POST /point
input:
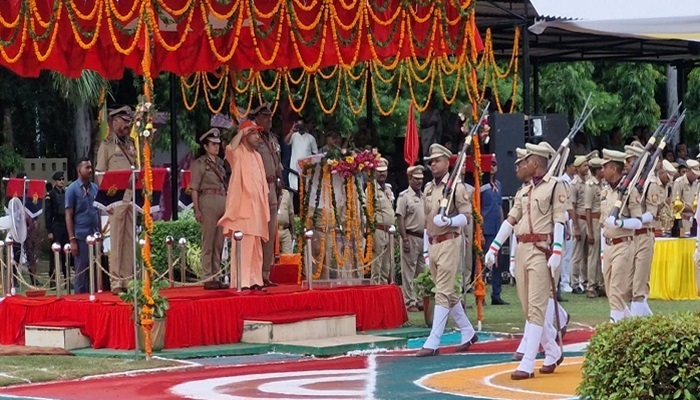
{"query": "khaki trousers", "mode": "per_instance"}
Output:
(412, 264)
(285, 241)
(212, 207)
(269, 246)
(644, 252)
(444, 263)
(618, 274)
(533, 279)
(381, 254)
(579, 258)
(121, 253)
(595, 274)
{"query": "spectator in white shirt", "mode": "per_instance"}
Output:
(303, 145)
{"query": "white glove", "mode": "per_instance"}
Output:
(426, 242)
(554, 261)
(511, 267)
(611, 222)
(441, 222)
(647, 218)
(490, 258)
(459, 220)
(629, 223)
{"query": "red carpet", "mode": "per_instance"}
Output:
(201, 318)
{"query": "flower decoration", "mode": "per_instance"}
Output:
(347, 163)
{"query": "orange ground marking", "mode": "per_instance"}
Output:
(493, 382)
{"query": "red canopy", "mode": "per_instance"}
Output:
(201, 35)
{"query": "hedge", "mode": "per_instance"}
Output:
(186, 227)
(656, 357)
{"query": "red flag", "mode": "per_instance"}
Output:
(14, 188)
(411, 142)
(158, 175)
(112, 188)
(185, 198)
(36, 191)
(478, 42)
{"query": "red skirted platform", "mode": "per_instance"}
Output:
(201, 318)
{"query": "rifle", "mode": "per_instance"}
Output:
(666, 137)
(454, 178)
(556, 168)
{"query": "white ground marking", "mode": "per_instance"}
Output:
(187, 365)
(371, 376)
(295, 387)
(14, 377)
(206, 389)
(488, 379)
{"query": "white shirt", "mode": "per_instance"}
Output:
(303, 145)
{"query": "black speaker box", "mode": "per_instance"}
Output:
(507, 133)
(551, 128)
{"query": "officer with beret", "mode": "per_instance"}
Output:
(208, 184)
(55, 217)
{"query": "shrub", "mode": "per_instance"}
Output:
(644, 358)
(186, 227)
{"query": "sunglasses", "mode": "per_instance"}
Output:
(60, 179)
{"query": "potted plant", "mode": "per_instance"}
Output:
(160, 306)
(424, 287)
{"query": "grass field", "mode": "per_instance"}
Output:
(584, 311)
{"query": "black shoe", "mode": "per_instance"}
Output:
(561, 299)
(497, 301)
(577, 290)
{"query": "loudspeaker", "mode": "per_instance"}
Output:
(551, 128)
(507, 133)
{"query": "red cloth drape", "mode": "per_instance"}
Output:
(284, 38)
(197, 317)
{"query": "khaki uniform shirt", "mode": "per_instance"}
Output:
(461, 204)
(591, 198)
(385, 205)
(650, 202)
(578, 193)
(286, 211)
(411, 206)
(686, 191)
(204, 177)
(269, 150)
(538, 207)
(115, 154)
(608, 196)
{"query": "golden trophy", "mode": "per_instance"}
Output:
(678, 207)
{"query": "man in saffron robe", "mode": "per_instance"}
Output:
(247, 204)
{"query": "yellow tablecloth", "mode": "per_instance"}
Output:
(673, 270)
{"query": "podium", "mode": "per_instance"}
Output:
(332, 205)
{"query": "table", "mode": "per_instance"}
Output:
(673, 270)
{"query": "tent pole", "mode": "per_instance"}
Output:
(536, 87)
(174, 174)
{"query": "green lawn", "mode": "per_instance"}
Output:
(26, 369)
(584, 311)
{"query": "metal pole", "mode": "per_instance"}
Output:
(91, 264)
(8, 248)
(309, 259)
(536, 86)
(183, 270)
(169, 246)
(368, 108)
(133, 248)
(173, 146)
(237, 237)
(392, 236)
(56, 248)
(2, 269)
(98, 260)
(526, 61)
(67, 252)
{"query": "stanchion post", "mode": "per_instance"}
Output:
(67, 252)
(183, 252)
(142, 242)
(56, 248)
(8, 267)
(2, 269)
(237, 237)
(392, 243)
(169, 247)
(309, 235)
(98, 260)
(90, 240)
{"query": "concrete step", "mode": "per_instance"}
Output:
(276, 329)
(64, 335)
(339, 345)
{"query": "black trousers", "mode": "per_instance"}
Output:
(60, 235)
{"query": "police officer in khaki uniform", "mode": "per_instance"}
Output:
(539, 216)
(384, 214)
(685, 189)
(285, 221)
(208, 184)
(618, 234)
(118, 152)
(643, 206)
(579, 257)
(410, 213)
(269, 150)
(443, 238)
(664, 218)
(591, 203)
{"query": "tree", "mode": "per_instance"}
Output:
(83, 94)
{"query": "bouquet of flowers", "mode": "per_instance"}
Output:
(347, 163)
